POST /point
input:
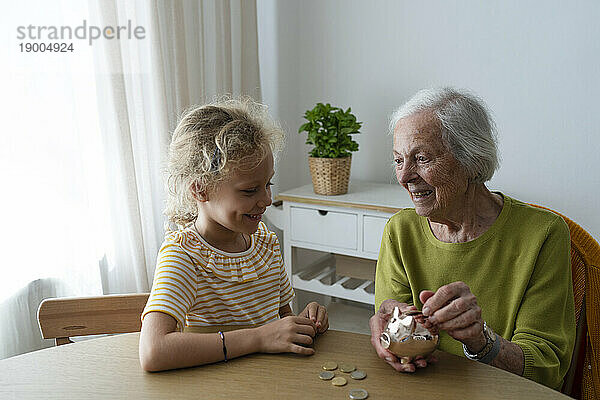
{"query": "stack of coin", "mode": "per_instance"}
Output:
(359, 394)
(329, 366)
(358, 375)
(348, 368)
(339, 381)
(326, 375)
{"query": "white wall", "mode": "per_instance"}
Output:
(536, 64)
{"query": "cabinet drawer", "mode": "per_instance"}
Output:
(325, 228)
(372, 233)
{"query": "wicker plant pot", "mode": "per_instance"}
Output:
(330, 176)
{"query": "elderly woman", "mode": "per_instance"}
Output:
(491, 272)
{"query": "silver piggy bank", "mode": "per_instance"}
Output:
(405, 337)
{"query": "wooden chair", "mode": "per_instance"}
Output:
(60, 318)
(583, 378)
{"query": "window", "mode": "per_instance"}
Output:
(53, 191)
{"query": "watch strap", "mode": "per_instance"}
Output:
(489, 351)
(489, 357)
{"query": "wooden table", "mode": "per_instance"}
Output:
(108, 368)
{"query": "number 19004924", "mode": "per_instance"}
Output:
(46, 47)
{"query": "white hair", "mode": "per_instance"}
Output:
(468, 130)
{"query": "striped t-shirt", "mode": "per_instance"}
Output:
(200, 285)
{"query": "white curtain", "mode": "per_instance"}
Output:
(192, 51)
(97, 215)
(53, 198)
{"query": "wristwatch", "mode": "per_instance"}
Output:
(489, 351)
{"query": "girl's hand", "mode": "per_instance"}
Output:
(454, 309)
(378, 323)
(317, 314)
(290, 334)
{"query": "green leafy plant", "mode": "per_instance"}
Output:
(329, 129)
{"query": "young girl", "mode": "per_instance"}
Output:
(220, 288)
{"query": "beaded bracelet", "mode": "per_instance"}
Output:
(224, 347)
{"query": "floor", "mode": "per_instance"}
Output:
(350, 318)
(344, 315)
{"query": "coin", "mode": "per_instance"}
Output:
(329, 366)
(326, 375)
(417, 314)
(339, 381)
(358, 374)
(344, 367)
(359, 394)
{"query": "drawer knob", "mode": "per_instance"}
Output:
(323, 212)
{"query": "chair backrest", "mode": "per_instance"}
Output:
(583, 378)
(60, 318)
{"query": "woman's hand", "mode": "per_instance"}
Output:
(378, 323)
(292, 334)
(317, 314)
(454, 309)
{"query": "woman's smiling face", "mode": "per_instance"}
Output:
(425, 167)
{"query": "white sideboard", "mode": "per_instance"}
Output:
(350, 224)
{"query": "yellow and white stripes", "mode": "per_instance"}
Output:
(199, 285)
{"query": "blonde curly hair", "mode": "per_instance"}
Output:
(209, 143)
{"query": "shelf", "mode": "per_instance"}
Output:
(343, 288)
(363, 195)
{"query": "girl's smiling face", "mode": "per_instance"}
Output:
(236, 204)
(425, 167)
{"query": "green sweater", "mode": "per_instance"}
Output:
(519, 270)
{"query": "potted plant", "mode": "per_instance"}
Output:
(329, 129)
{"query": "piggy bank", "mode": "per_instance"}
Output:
(405, 337)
